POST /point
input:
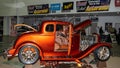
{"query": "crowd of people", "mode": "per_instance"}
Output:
(106, 35)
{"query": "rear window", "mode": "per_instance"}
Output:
(50, 28)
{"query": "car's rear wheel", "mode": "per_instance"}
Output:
(28, 54)
(103, 53)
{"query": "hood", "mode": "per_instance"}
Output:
(82, 25)
(25, 26)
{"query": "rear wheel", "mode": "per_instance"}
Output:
(102, 53)
(28, 54)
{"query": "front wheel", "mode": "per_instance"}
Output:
(28, 54)
(102, 53)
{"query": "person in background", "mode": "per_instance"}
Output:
(119, 31)
(118, 37)
(101, 32)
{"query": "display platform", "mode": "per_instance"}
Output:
(14, 63)
(113, 62)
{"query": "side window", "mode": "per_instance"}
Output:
(50, 28)
(59, 27)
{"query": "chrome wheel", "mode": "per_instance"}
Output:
(28, 54)
(103, 53)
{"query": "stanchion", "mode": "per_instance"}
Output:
(101, 64)
(36, 65)
(28, 66)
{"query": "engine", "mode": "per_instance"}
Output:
(87, 41)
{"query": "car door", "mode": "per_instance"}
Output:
(48, 38)
(61, 38)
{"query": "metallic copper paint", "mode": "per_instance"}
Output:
(44, 41)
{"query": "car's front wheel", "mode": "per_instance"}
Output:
(103, 53)
(28, 54)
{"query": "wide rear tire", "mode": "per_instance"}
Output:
(28, 54)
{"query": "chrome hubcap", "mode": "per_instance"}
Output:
(28, 54)
(103, 53)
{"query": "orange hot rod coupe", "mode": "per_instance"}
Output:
(58, 41)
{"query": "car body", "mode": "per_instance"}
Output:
(56, 41)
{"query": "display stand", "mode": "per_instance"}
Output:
(113, 38)
(36, 65)
(28, 66)
(101, 64)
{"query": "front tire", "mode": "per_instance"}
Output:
(28, 54)
(103, 53)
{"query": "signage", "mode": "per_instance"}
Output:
(97, 8)
(81, 6)
(38, 9)
(94, 2)
(31, 9)
(117, 3)
(68, 5)
(55, 7)
(92, 5)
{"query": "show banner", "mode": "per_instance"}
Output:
(117, 3)
(67, 6)
(81, 6)
(55, 7)
(38, 9)
(92, 5)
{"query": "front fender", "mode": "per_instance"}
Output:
(92, 48)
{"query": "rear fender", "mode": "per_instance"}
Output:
(92, 48)
(27, 43)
